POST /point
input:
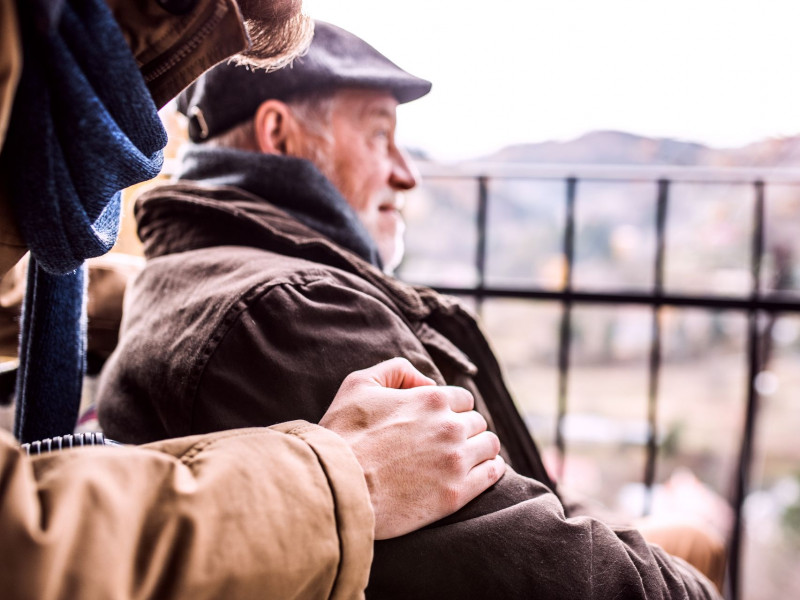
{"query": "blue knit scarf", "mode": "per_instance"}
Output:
(83, 127)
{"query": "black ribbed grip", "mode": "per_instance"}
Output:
(62, 442)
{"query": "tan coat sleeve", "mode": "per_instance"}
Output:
(12, 247)
(282, 512)
(10, 62)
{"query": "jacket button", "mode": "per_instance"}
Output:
(177, 7)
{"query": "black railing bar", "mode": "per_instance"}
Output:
(765, 303)
(651, 449)
(620, 179)
(661, 234)
(655, 345)
(675, 173)
(565, 334)
(742, 476)
(758, 240)
(481, 227)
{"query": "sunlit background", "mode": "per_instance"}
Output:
(720, 72)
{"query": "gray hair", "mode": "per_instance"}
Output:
(312, 111)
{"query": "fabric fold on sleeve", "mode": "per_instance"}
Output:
(250, 513)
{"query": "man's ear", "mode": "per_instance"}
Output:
(273, 124)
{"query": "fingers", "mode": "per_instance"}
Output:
(425, 451)
(459, 399)
(481, 447)
(483, 476)
(473, 423)
(397, 373)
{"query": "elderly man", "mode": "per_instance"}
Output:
(275, 512)
(266, 285)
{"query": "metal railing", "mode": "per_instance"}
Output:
(753, 303)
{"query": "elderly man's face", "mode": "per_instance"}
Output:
(361, 160)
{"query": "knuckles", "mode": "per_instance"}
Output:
(452, 462)
(493, 472)
(451, 498)
(353, 382)
(452, 431)
(434, 398)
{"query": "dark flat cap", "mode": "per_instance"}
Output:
(229, 94)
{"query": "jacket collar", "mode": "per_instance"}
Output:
(291, 184)
(189, 215)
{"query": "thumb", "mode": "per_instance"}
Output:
(397, 373)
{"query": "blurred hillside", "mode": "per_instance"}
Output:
(615, 147)
(709, 224)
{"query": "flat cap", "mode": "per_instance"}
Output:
(229, 94)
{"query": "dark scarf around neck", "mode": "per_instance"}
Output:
(292, 184)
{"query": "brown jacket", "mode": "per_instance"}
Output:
(245, 315)
(282, 512)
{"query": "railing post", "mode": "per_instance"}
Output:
(566, 322)
(480, 251)
(655, 345)
(742, 482)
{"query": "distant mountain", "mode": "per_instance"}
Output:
(616, 147)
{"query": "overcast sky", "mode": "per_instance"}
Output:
(721, 72)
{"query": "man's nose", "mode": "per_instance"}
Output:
(404, 175)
